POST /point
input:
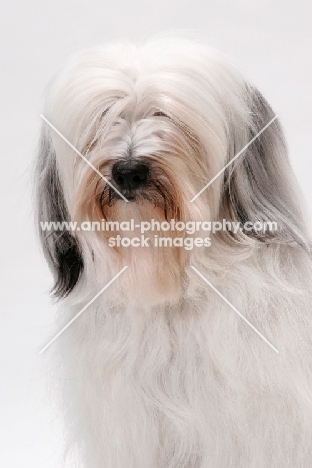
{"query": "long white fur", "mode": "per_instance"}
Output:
(159, 372)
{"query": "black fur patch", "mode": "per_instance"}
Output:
(61, 248)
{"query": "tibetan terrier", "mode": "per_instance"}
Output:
(175, 357)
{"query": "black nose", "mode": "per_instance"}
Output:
(129, 175)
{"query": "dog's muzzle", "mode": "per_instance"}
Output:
(140, 182)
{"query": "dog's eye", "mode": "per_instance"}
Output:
(160, 114)
(105, 112)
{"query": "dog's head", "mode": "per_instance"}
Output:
(153, 125)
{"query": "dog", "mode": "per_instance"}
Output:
(158, 371)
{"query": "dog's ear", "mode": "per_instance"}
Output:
(61, 248)
(260, 184)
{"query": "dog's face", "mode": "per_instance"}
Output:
(150, 160)
(158, 123)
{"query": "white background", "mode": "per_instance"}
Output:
(269, 40)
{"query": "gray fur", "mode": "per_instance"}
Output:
(260, 185)
(61, 248)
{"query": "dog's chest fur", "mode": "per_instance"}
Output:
(191, 385)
